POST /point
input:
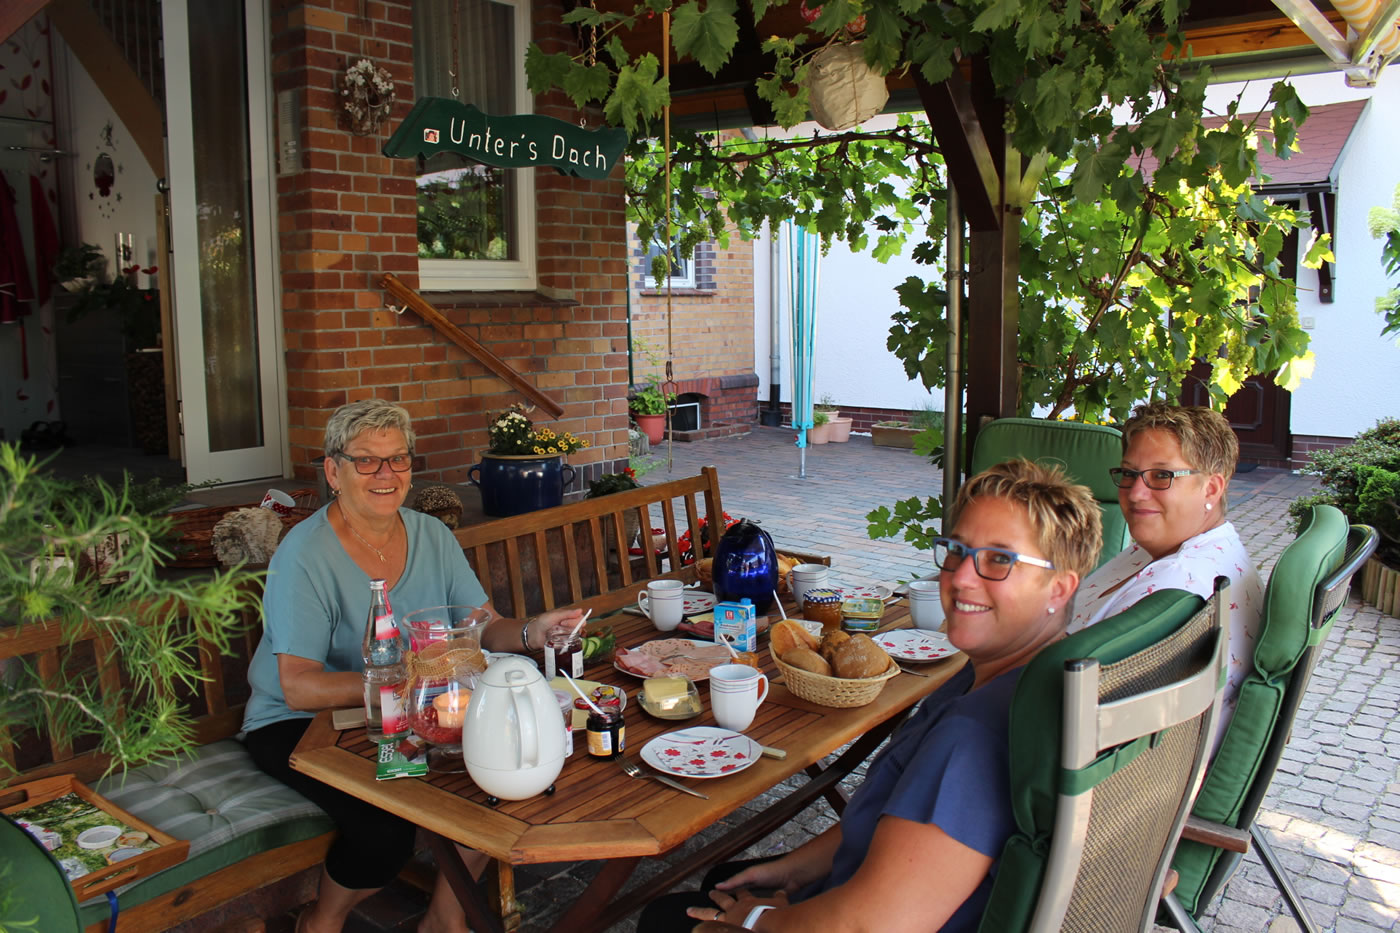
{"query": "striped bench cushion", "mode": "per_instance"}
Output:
(221, 802)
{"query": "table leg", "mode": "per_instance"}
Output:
(480, 917)
(504, 887)
(587, 910)
(835, 796)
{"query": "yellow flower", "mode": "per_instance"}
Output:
(538, 450)
(553, 451)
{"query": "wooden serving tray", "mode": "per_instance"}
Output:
(169, 851)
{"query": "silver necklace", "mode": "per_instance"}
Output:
(345, 518)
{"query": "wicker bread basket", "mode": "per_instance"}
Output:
(840, 692)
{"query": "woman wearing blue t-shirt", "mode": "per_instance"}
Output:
(918, 842)
(309, 659)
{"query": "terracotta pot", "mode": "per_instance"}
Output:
(653, 426)
(840, 429)
(819, 434)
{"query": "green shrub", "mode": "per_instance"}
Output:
(1357, 479)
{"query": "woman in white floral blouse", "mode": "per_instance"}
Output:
(1176, 468)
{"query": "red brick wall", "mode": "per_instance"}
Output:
(349, 215)
(712, 324)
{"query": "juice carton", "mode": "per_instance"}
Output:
(738, 623)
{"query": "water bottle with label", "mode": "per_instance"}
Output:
(385, 716)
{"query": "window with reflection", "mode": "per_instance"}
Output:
(475, 221)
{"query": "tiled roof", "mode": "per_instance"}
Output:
(1320, 142)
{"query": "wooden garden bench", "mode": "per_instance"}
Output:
(581, 541)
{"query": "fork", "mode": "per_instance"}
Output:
(631, 770)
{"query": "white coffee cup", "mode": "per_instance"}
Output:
(736, 692)
(925, 605)
(806, 577)
(663, 602)
(278, 501)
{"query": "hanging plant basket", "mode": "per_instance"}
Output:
(368, 94)
(842, 89)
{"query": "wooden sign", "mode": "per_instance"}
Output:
(437, 124)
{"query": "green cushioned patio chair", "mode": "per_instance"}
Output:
(1307, 587)
(34, 892)
(1109, 734)
(1086, 451)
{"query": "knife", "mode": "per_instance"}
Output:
(677, 785)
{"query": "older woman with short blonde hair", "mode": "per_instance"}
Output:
(315, 606)
(1172, 484)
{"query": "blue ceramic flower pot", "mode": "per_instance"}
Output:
(511, 484)
(746, 566)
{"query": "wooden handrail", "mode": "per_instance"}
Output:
(395, 286)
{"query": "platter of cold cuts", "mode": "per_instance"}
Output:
(666, 657)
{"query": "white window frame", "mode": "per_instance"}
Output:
(498, 274)
(682, 277)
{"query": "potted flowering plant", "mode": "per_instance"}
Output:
(606, 485)
(648, 405)
(522, 470)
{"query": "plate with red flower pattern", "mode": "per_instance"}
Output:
(701, 752)
(912, 644)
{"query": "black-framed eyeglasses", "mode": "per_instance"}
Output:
(1124, 478)
(370, 465)
(991, 563)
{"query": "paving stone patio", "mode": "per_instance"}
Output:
(1333, 812)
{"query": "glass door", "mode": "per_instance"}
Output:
(222, 241)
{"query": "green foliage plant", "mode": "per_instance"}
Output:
(79, 262)
(650, 400)
(1384, 224)
(1130, 272)
(609, 483)
(154, 623)
(1358, 480)
(137, 307)
(819, 417)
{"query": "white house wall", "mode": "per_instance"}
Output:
(128, 207)
(856, 300)
(1357, 378)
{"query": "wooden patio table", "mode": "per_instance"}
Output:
(598, 812)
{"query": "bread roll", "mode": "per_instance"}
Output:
(860, 657)
(807, 660)
(830, 642)
(788, 634)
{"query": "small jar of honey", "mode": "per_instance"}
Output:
(824, 606)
